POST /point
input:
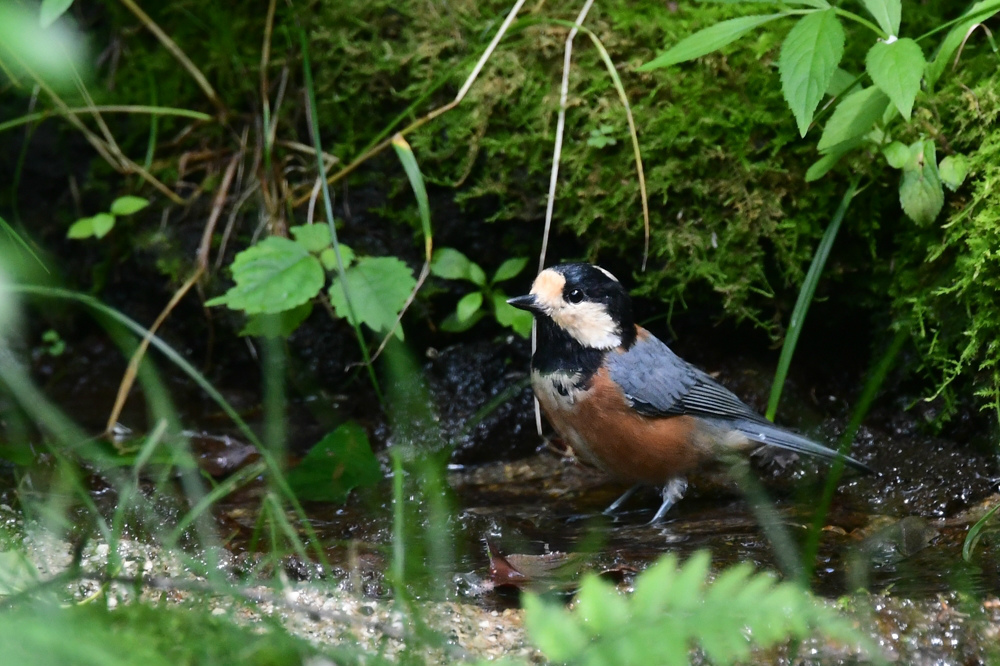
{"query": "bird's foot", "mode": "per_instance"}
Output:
(673, 490)
(614, 506)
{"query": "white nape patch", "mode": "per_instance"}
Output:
(606, 272)
(587, 322)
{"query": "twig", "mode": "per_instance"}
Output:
(560, 130)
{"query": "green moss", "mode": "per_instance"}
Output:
(733, 223)
(948, 283)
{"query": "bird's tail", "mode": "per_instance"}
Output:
(772, 435)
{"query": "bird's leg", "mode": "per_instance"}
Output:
(673, 490)
(621, 500)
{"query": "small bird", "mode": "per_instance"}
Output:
(623, 400)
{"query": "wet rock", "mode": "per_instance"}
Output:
(483, 399)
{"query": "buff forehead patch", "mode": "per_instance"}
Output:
(548, 287)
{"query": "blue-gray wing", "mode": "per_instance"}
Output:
(660, 383)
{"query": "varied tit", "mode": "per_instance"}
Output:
(622, 400)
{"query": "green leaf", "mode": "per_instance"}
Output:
(337, 464)
(469, 305)
(412, 169)
(709, 39)
(277, 325)
(378, 288)
(313, 237)
(82, 228)
(600, 607)
(509, 316)
(840, 82)
(450, 264)
(553, 629)
(653, 588)
(103, 223)
(809, 58)
(274, 275)
(897, 68)
(510, 269)
(17, 573)
(953, 171)
(886, 13)
(824, 164)
(328, 257)
(687, 588)
(896, 154)
(956, 36)
(920, 191)
(451, 323)
(853, 117)
(97, 226)
(51, 10)
(128, 205)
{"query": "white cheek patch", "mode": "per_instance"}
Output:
(589, 324)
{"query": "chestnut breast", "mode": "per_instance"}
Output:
(598, 422)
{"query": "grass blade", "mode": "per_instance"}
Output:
(328, 208)
(972, 538)
(868, 394)
(805, 298)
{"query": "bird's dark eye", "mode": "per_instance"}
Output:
(574, 296)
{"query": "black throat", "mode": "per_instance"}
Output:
(558, 352)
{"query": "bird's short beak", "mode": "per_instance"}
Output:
(527, 302)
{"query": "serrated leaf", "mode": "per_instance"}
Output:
(328, 257)
(450, 264)
(378, 288)
(897, 68)
(886, 13)
(600, 607)
(509, 316)
(920, 192)
(128, 205)
(981, 11)
(809, 57)
(468, 305)
(853, 117)
(552, 629)
(953, 171)
(709, 39)
(896, 154)
(274, 275)
(313, 237)
(277, 325)
(687, 588)
(510, 269)
(653, 588)
(336, 465)
(51, 10)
